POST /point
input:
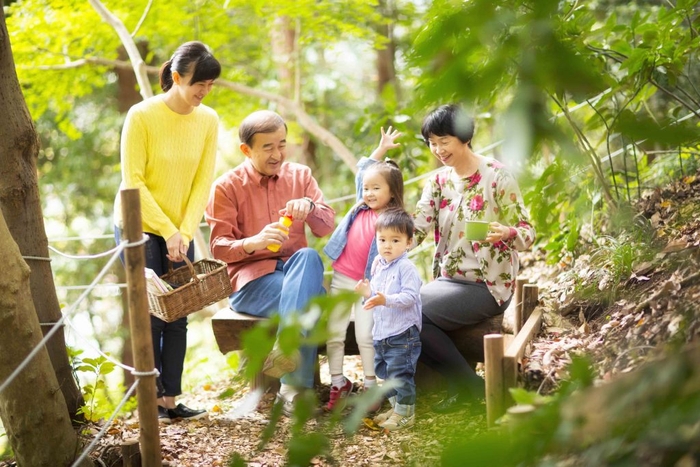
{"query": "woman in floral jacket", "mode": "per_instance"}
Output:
(474, 280)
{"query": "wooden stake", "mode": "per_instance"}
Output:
(530, 298)
(493, 360)
(519, 283)
(131, 456)
(140, 324)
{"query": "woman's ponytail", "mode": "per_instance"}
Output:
(166, 76)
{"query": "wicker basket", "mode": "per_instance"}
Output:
(191, 293)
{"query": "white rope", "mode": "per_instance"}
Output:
(96, 349)
(137, 375)
(153, 372)
(104, 429)
(98, 255)
(119, 285)
(37, 258)
(72, 239)
(70, 311)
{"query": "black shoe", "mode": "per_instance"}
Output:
(184, 412)
(164, 415)
(451, 403)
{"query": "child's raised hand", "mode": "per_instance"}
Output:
(375, 300)
(388, 138)
(386, 143)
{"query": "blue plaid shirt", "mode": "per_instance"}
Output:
(400, 282)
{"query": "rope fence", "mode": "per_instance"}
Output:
(114, 252)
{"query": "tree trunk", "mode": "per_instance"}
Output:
(21, 208)
(284, 50)
(386, 70)
(127, 92)
(32, 409)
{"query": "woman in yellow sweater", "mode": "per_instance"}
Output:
(168, 151)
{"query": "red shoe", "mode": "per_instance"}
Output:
(338, 396)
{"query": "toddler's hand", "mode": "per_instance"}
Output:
(377, 300)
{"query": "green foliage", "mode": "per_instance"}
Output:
(600, 68)
(6, 452)
(258, 341)
(236, 460)
(607, 261)
(97, 401)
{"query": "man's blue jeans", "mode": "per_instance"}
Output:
(396, 358)
(286, 291)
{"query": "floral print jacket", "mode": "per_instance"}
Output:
(490, 194)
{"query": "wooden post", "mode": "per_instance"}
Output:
(510, 378)
(519, 284)
(493, 360)
(140, 324)
(131, 456)
(530, 298)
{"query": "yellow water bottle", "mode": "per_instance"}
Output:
(286, 221)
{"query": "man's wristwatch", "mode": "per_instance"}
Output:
(311, 202)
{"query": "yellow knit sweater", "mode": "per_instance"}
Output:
(170, 158)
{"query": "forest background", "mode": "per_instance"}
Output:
(591, 104)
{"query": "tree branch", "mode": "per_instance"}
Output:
(303, 118)
(136, 61)
(588, 149)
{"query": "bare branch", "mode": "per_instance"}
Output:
(143, 18)
(303, 118)
(130, 46)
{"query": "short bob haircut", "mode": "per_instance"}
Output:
(397, 220)
(448, 120)
(260, 121)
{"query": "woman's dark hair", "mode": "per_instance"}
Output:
(260, 121)
(448, 120)
(191, 56)
(394, 178)
(397, 220)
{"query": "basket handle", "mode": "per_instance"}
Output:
(195, 279)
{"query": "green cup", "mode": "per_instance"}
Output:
(476, 230)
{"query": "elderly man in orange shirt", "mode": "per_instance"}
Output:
(243, 212)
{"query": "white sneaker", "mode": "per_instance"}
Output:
(278, 364)
(287, 405)
(383, 417)
(398, 422)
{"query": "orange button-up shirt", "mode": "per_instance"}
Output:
(243, 201)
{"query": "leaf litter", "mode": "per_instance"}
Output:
(655, 312)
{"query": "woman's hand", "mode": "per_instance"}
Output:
(177, 247)
(497, 233)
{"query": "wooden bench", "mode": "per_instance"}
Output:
(228, 326)
(470, 343)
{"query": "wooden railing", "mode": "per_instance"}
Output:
(502, 358)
